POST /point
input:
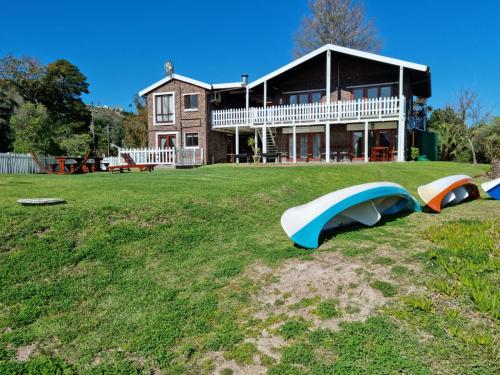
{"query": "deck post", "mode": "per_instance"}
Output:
(366, 142)
(294, 140)
(327, 142)
(264, 128)
(401, 122)
(328, 101)
(256, 141)
(237, 142)
(328, 75)
(247, 104)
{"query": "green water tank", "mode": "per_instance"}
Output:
(427, 143)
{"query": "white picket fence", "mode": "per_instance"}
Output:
(21, 163)
(159, 156)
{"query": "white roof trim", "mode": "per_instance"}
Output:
(175, 76)
(347, 51)
(227, 85)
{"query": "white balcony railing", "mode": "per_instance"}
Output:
(309, 113)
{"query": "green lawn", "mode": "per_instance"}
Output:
(186, 271)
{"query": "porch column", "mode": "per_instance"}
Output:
(256, 140)
(294, 140)
(328, 74)
(264, 128)
(237, 142)
(247, 104)
(401, 122)
(366, 141)
(328, 101)
(327, 142)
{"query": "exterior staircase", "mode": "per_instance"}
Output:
(271, 139)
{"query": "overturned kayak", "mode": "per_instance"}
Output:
(492, 188)
(364, 204)
(448, 190)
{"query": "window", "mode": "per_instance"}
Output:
(357, 93)
(304, 97)
(316, 97)
(191, 139)
(385, 91)
(191, 102)
(164, 108)
(372, 92)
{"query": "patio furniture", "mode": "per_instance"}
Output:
(275, 156)
(130, 163)
(239, 157)
(379, 154)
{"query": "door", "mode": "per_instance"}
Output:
(167, 141)
(358, 144)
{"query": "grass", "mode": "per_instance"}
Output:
(387, 289)
(146, 272)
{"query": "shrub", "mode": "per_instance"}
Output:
(415, 153)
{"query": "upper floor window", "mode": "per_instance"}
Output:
(372, 92)
(191, 102)
(191, 140)
(164, 108)
(304, 97)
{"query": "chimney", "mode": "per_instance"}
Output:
(244, 79)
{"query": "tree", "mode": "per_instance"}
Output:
(58, 86)
(135, 125)
(472, 115)
(489, 140)
(446, 123)
(32, 129)
(77, 144)
(340, 22)
(60, 91)
(108, 127)
(9, 101)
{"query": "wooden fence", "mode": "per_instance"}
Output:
(21, 163)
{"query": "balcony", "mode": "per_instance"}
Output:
(307, 114)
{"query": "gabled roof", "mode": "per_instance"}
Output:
(347, 51)
(178, 77)
(215, 86)
(310, 55)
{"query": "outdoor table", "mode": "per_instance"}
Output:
(380, 153)
(61, 160)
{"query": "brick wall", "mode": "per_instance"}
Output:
(185, 121)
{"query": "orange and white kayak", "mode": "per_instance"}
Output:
(448, 190)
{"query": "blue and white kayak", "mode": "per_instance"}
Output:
(492, 188)
(364, 203)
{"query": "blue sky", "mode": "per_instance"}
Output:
(121, 46)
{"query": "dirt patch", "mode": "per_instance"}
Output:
(328, 276)
(23, 353)
(220, 363)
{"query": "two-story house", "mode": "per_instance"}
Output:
(333, 104)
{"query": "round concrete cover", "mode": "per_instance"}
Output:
(40, 201)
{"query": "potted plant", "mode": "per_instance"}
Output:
(415, 153)
(255, 150)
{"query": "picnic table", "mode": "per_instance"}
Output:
(71, 164)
